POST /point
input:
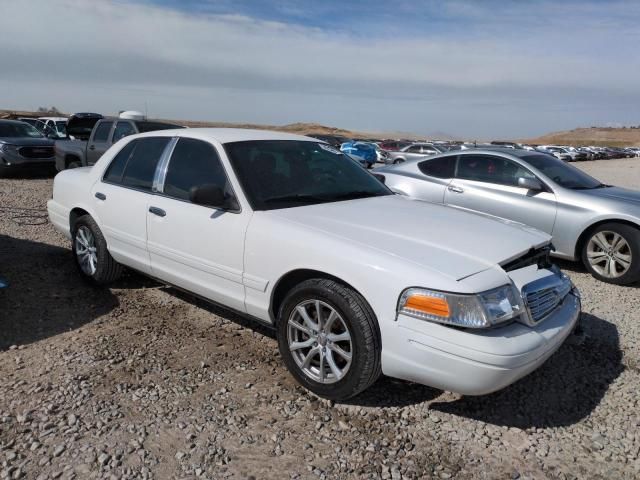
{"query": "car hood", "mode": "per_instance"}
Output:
(454, 242)
(27, 141)
(617, 193)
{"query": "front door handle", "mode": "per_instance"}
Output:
(100, 196)
(157, 211)
(453, 188)
(92, 147)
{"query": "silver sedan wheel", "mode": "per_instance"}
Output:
(609, 254)
(86, 254)
(319, 341)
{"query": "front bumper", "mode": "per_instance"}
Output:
(11, 159)
(474, 362)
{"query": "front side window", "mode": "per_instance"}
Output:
(490, 169)
(291, 173)
(123, 129)
(443, 167)
(194, 163)
(102, 132)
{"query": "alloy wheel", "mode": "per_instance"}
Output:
(319, 341)
(609, 254)
(86, 253)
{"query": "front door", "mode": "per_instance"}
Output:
(196, 247)
(489, 184)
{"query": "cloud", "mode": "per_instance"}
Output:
(470, 70)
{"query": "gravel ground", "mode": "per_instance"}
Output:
(140, 381)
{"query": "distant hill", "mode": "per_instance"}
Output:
(614, 137)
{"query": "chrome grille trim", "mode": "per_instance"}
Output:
(543, 296)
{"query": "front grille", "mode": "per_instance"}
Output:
(36, 152)
(543, 296)
(539, 257)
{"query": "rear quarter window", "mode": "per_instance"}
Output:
(443, 167)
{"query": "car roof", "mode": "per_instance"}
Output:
(55, 119)
(228, 135)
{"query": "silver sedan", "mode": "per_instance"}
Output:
(591, 222)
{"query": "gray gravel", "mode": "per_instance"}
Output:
(140, 381)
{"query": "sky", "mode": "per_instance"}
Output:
(472, 69)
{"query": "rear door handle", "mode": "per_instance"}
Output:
(100, 196)
(157, 211)
(453, 188)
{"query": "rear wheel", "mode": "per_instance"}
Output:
(612, 253)
(329, 339)
(91, 255)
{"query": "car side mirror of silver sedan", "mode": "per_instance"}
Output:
(530, 184)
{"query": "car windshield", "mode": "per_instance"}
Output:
(18, 129)
(291, 173)
(562, 173)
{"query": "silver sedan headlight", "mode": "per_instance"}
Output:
(481, 310)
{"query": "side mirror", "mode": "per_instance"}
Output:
(210, 195)
(530, 184)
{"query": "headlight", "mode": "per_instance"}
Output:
(471, 311)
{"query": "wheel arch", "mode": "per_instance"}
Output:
(292, 278)
(76, 213)
(584, 236)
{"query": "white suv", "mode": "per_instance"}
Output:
(356, 281)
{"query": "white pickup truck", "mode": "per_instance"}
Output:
(356, 281)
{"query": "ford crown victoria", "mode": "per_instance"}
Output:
(357, 281)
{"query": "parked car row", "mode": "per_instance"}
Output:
(65, 143)
(356, 281)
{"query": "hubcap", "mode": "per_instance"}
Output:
(319, 341)
(609, 254)
(86, 255)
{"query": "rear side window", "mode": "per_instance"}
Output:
(116, 168)
(443, 167)
(123, 129)
(141, 167)
(102, 132)
(193, 163)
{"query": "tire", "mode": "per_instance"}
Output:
(101, 269)
(73, 163)
(353, 316)
(621, 247)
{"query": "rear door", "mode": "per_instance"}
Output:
(489, 184)
(196, 247)
(122, 199)
(99, 141)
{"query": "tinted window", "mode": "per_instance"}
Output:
(141, 167)
(102, 132)
(562, 173)
(123, 129)
(414, 149)
(18, 129)
(290, 173)
(443, 167)
(490, 169)
(115, 169)
(193, 163)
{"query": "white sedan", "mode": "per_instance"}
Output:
(357, 281)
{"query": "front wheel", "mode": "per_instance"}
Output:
(612, 253)
(329, 339)
(91, 255)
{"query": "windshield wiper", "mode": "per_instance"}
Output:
(356, 194)
(297, 197)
